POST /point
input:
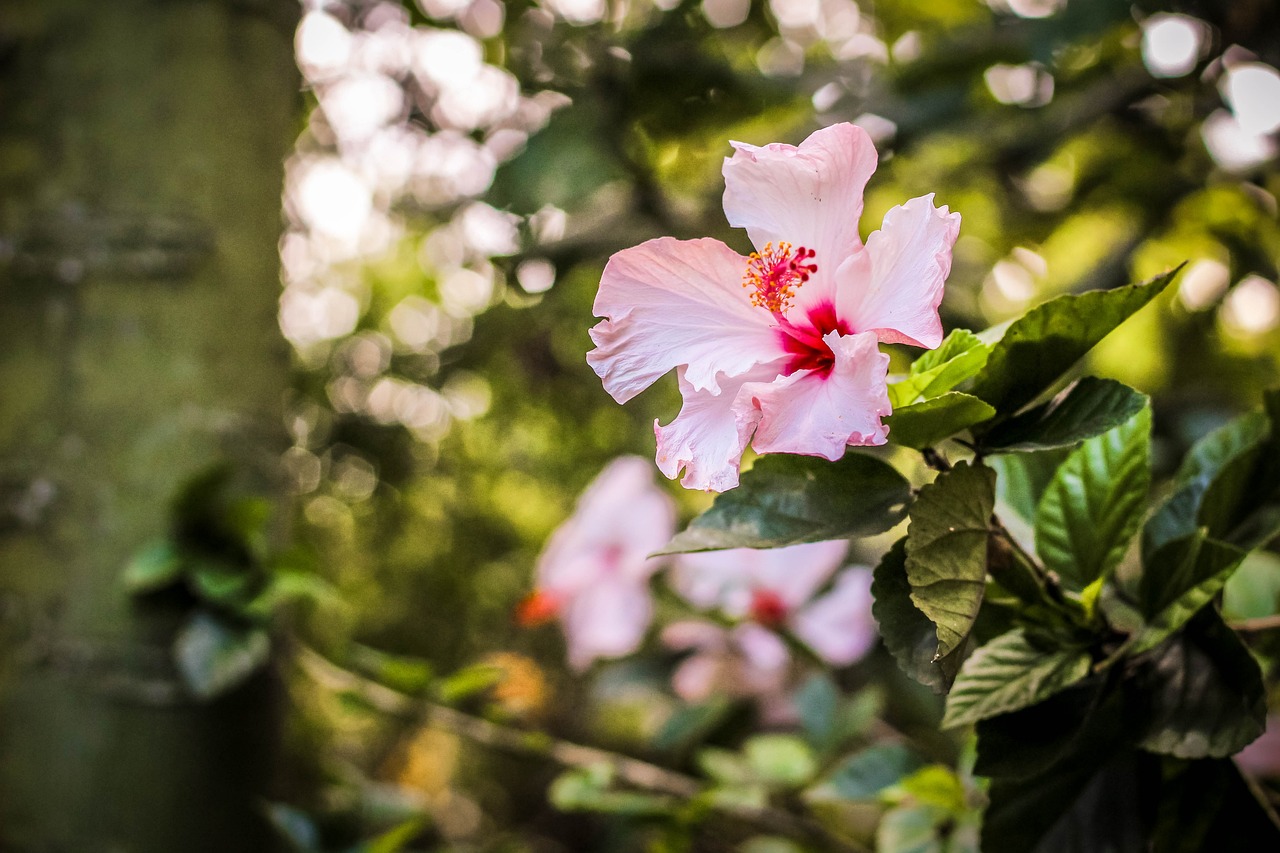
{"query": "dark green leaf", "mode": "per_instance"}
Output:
(818, 702)
(1076, 811)
(786, 499)
(960, 355)
(1022, 479)
(156, 566)
(1225, 460)
(866, 774)
(1063, 730)
(1008, 674)
(1095, 503)
(907, 633)
(930, 421)
(947, 550)
(1204, 690)
(1087, 408)
(214, 655)
(1044, 343)
(1177, 581)
(1207, 805)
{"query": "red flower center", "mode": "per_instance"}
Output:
(774, 274)
(804, 343)
(767, 607)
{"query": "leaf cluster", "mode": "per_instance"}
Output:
(1068, 617)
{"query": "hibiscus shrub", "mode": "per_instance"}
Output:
(1072, 614)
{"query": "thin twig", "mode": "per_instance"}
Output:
(632, 771)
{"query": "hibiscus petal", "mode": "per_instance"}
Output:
(671, 302)
(607, 620)
(808, 195)
(819, 414)
(796, 572)
(708, 436)
(894, 286)
(839, 626)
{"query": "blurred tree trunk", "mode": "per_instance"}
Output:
(141, 149)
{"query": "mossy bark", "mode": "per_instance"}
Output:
(141, 151)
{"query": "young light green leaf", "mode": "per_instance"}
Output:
(1087, 408)
(1177, 581)
(1039, 347)
(1205, 691)
(947, 551)
(214, 655)
(930, 421)
(960, 355)
(780, 759)
(1010, 673)
(157, 565)
(1253, 590)
(786, 499)
(907, 633)
(1095, 503)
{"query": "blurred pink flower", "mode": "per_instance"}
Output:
(1262, 757)
(746, 661)
(779, 349)
(775, 588)
(594, 572)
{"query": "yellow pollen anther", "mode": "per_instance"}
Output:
(775, 272)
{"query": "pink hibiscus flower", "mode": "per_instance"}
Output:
(594, 572)
(745, 661)
(779, 349)
(776, 588)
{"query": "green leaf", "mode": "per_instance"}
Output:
(588, 789)
(947, 551)
(214, 655)
(394, 839)
(786, 499)
(960, 355)
(1068, 728)
(864, 775)
(1078, 810)
(930, 421)
(1224, 461)
(916, 829)
(780, 760)
(1095, 503)
(1010, 673)
(1178, 580)
(907, 633)
(1204, 690)
(1022, 479)
(223, 584)
(1253, 590)
(468, 681)
(1207, 805)
(294, 826)
(724, 766)
(1087, 408)
(1040, 346)
(818, 703)
(935, 785)
(156, 566)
